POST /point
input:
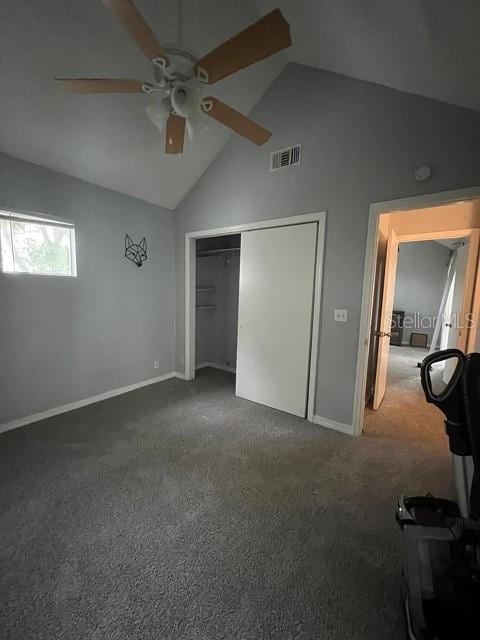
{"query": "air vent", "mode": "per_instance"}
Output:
(285, 157)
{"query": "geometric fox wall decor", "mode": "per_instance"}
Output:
(137, 253)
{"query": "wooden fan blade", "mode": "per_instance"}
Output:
(261, 40)
(235, 120)
(130, 18)
(101, 85)
(174, 134)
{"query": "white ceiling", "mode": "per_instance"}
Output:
(429, 47)
(108, 140)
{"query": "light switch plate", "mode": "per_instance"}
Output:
(341, 315)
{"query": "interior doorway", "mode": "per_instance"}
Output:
(424, 298)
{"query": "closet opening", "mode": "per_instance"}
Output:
(216, 302)
(252, 308)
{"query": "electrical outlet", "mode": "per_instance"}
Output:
(156, 364)
(340, 315)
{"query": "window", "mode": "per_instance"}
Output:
(33, 244)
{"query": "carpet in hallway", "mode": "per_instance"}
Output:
(404, 414)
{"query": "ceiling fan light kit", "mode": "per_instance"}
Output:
(158, 113)
(185, 99)
(180, 78)
(196, 126)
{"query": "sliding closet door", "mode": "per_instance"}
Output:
(277, 268)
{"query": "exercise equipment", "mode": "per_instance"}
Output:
(441, 538)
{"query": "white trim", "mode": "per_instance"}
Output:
(180, 375)
(190, 305)
(215, 365)
(407, 344)
(333, 424)
(303, 218)
(317, 294)
(376, 209)
(436, 235)
(190, 293)
(64, 408)
(34, 216)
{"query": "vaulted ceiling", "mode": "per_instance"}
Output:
(108, 139)
(429, 47)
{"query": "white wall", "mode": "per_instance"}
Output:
(66, 339)
(419, 284)
(361, 144)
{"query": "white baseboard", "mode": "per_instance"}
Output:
(333, 424)
(407, 344)
(215, 365)
(64, 408)
(35, 417)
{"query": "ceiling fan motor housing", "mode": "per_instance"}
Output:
(179, 76)
(180, 65)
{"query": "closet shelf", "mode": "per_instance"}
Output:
(206, 289)
(217, 252)
(205, 306)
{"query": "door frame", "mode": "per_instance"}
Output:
(468, 293)
(190, 288)
(384, 328)
(473, 257)
(376, 210)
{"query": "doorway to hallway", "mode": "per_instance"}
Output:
(425, 297)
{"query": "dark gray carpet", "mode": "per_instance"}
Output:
(179, 511)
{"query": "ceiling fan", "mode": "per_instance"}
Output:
(179, 77)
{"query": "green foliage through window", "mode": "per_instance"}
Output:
(34, 247)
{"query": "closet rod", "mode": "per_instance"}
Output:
(216, 252)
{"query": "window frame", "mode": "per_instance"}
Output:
(34, 217)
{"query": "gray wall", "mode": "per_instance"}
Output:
(419, 284)
(361, 144)
(227, 311)
(66, 339)
(205, 318)
(216, 331)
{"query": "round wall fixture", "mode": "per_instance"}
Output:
(422, 173)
